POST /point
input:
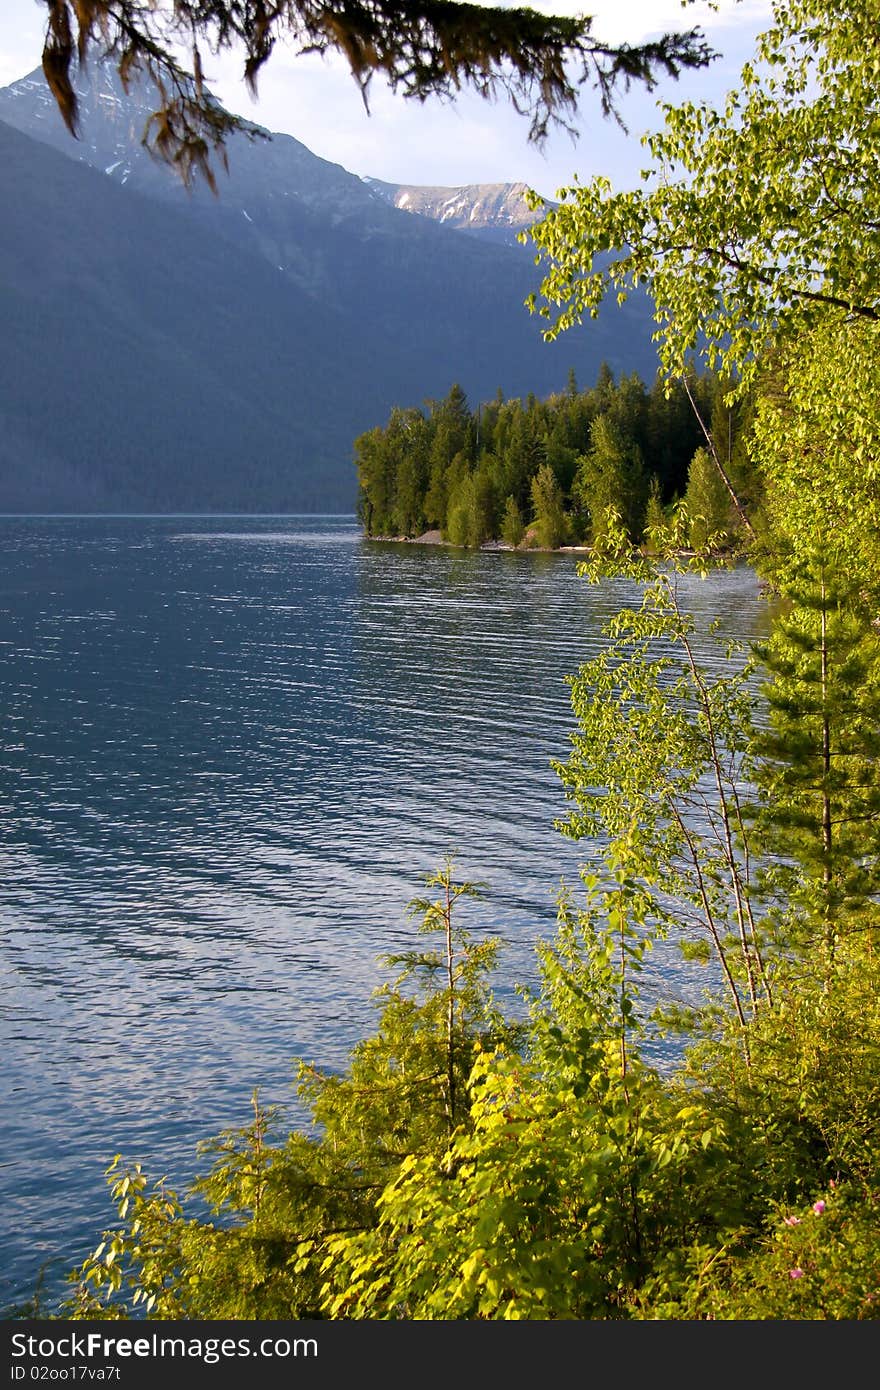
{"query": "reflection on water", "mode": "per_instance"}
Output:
(231, 749)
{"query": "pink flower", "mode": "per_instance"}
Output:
(795, 1274)
(792, 1220)
(819, 1207)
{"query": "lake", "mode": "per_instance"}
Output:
(232, 748)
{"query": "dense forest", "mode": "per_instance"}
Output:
(545, 472)
(467, 1165)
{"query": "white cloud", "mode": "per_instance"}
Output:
(21, 39)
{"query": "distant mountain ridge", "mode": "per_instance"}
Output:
(127, 382)
(495, 210)
(223, 353)
(113, 121)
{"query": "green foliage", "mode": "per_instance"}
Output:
(463, 525)
(806, 1115)
(569, 1180)
(512, 526)
(708, 504)
(274, 1205)
(754, 234)
(455, 469)
(819, 815)
(658, 758)
(393, 468)
(549, 518)
(611, 478)
(825, 1266)
(471, 507)
(816, 441)
(751, 219)
(821, 1261)
(655, 519)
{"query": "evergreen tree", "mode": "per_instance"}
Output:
(406, 446)
(436, 493)
(611, 477)
(453, 414)
(377, 479)
(512, 527)
(673, 432)
(523, 454)
(486, 495)
(655, 517)
(819, 815)
(707, 503)
(549, 516)
(604, 388)
(465, 518)
(405, 1091)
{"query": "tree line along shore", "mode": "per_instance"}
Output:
(543, 474)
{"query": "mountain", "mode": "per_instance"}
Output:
(167, 350)
(495, 211)
(144, 369)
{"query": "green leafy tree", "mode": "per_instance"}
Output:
(487, 486)
(451, 452)
(412, 434)
(768, 221)
(523, 450)
(437, 492)
(655, 518)
(440, 471)
(657, 765)
(377, 481)
(754, 234)
(561, 457)
(815, 440)
(730, 416)
(569, 1183)
(465, 521)
(673, 429)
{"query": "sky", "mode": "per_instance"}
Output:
(470, 140)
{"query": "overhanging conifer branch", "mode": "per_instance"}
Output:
(421, 48)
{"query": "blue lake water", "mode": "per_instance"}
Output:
(231, 749)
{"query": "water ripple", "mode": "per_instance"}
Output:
(230, 753)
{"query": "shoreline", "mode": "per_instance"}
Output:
(435, 537)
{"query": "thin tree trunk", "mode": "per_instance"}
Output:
(716, 458)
